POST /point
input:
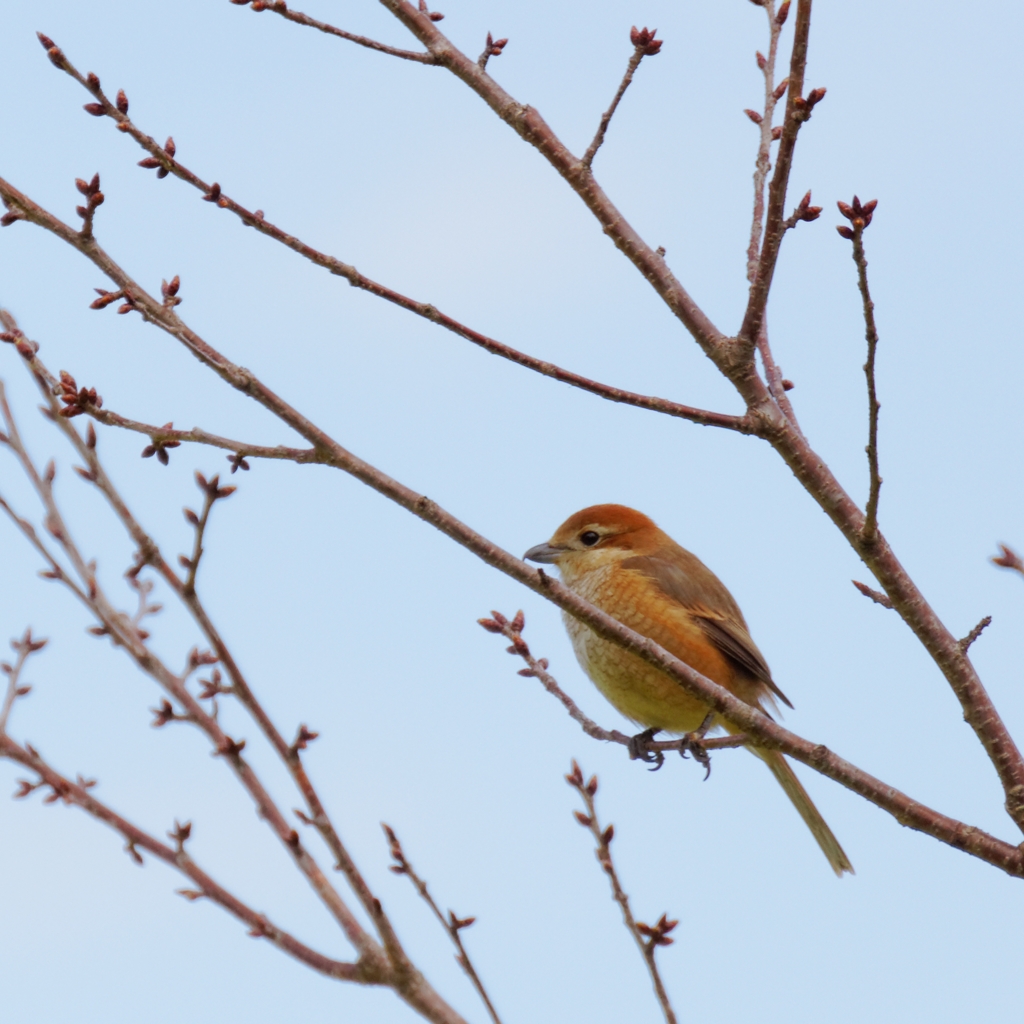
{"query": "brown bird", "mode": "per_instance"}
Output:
(617, 559)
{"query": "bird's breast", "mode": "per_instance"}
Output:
(638, 690)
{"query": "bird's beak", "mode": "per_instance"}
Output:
(545, 553)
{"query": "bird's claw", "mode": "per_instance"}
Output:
(692, 743)
(638, 749)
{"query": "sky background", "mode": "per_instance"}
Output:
(353, 616)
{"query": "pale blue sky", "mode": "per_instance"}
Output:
(351, 615)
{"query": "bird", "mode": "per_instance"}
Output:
(620, 561)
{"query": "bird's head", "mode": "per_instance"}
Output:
(597, 536)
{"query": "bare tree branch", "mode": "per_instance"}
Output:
(259, 925)
(859, 217)
(453, 925)
(873, 594)
(798, 110)
(163, 159)
(644, 45)
(647, 937)
(537, 668)
(280, 7)
(975, 633)
(990, 728)
(390, 965)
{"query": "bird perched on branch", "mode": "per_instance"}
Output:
(617, 559)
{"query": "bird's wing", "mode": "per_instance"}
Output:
(705, 597)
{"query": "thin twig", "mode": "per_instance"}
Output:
(644, 44)
(453, 925)
(975, 633)
(861, 218)
(646, 937)
(279, 7)
(875, 596)
(25, 648)
(798, 110)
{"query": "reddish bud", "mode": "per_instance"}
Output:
(150, 163)
(815, 96)
(780, 89)
(122, 101)
(96, 109)
(780, 18)
(9, 218)
(754, 116)
(518, 621)
(93, 82)
(643, 39)
(169, 148)
(46, 41)
(776, 133)
(490, 625)
(582, 818)
(762, 63)
(436, 16)
(844, 231)
(787, 385)
(608, 835)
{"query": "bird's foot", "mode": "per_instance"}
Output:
(693, 743)
(638, 749)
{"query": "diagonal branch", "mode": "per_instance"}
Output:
(260, 926)
(453, 925)
(644, 44)
(127, 636)
(280, 7)
(163, 158)
(646, 937)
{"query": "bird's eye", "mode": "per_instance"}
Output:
(590, 538)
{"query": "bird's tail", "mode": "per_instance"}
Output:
(802, 802)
